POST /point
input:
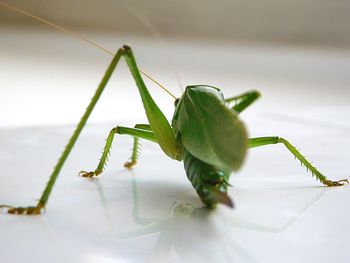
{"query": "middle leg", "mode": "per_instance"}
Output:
(261, 141)
(136, 146)
(139, 133)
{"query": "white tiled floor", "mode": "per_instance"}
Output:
(153, 213)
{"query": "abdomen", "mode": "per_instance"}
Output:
(210, 183)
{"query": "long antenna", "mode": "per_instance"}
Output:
(156, 34)
(74, 34)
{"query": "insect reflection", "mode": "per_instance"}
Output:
(196, 233)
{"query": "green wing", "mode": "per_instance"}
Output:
(209, 130)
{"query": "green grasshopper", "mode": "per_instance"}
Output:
(206, 133)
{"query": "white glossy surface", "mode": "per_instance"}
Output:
(153, 213)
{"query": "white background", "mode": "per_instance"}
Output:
(153, 213)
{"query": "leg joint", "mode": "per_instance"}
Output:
(115, 130)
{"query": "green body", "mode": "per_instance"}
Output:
(209, 181)
(206, 134)
(202, 122)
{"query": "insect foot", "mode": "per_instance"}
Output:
(335, 183)
(30, 210)
(88, 174)
(130, 164)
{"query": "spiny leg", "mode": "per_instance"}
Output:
(135, 154)
(47, 191)
(241, 102)
(261, 141)
(136, 146)
(160, 126)
(144, 134)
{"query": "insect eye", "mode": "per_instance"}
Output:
(176, 102)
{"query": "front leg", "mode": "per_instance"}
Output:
(243, 101)
(136, 132)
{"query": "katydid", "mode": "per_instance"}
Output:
(206, 133)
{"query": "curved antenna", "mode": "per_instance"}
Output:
(74, 34)
(157, 35)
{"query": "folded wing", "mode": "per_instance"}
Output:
(209, 130)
